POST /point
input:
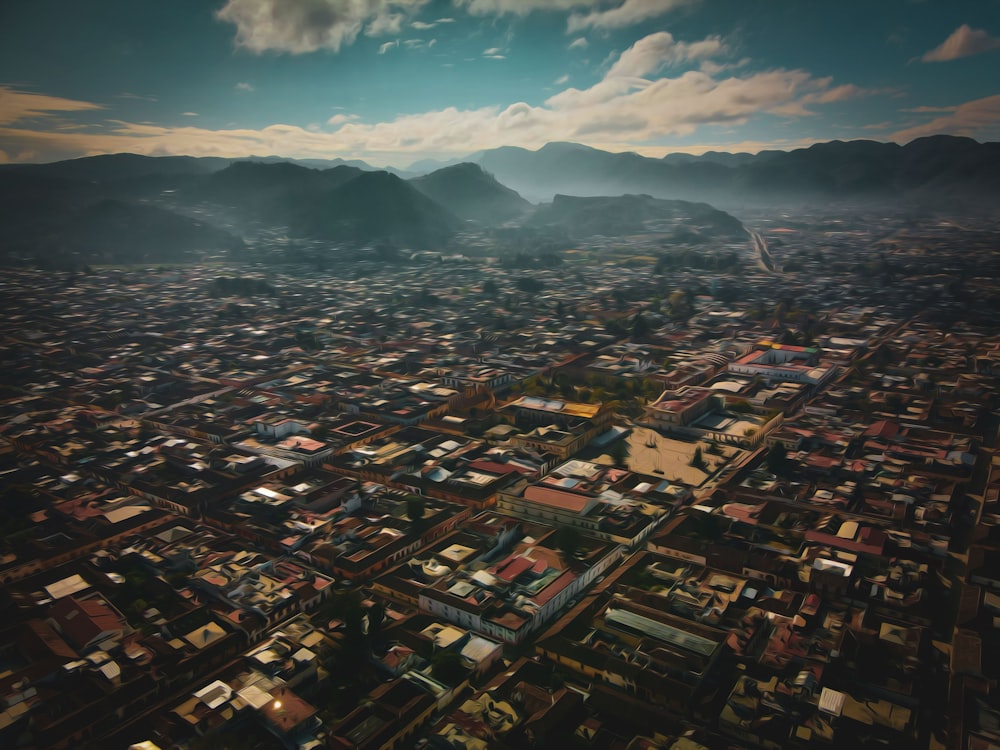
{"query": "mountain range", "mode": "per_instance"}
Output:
(69, 210)
(927, 168)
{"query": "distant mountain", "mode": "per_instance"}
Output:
(426, 166)
(112, 231)
(43, 205)
(376, 206)
(329, 164)
(268, 190)
(581, 217)
(113, 167)
(469, 193)
(939, 167)
(714, 157)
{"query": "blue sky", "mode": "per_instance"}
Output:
(395, 81)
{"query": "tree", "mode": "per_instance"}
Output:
(619, 453)
(448, 667)
(697, 460)
(568, 540)
(640, 328)
(777, 459)
(415, 508)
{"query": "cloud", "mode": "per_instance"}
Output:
(629, 13)
(386, 46)
(244, 87)
(189, 114)
(843, 93)
(963, 42)
(18, 105)
(520, 7)
(632, 106)
(579, 43)
(140, 97)
(385, 24)
(492, 51)
(340, 119)
(299, 26)
(977, 118)
(561, 80)
(424, 25)
(654, 52)
(923, 109)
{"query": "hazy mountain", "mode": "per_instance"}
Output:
(329, 164)
(112, 231)
(714, 157)
(469, 193)
(113, 167)
(426, 166)
(941, 166)
(581, 217)
(268, 190)
(376, 206)
(42, 205)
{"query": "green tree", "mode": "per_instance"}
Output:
(568, 540)
(697, 460)
(777, 459)
(619, 453)
(640, 327)
(448, 667)
(415, 508)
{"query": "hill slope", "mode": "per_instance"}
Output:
(581, 217)
(938, 167)
(468, 192)
(376, 206)
(113, 231)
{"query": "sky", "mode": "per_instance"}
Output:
(396, 81)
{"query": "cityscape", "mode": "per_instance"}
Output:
(516, 444)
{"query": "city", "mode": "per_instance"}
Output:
(500, 374)
(619, 508)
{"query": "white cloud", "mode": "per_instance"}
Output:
(18, 105)
(244, 87)
(977, 118)
(140, 97)
(424, 25)
(923, 109)
(520, 7)
(963, 42)
(627, 110)
(299, 26)
(843, 93)
(628, 13)
(492, 51)
(579, 43)
(654, 52)
(341, 119)
(384, 24)
(189, 114)
(386, 46)
(561, 80)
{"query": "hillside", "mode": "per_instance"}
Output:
(112, 231)
(581, 217)
(470, 193)
(935, 168)
(376, 206)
